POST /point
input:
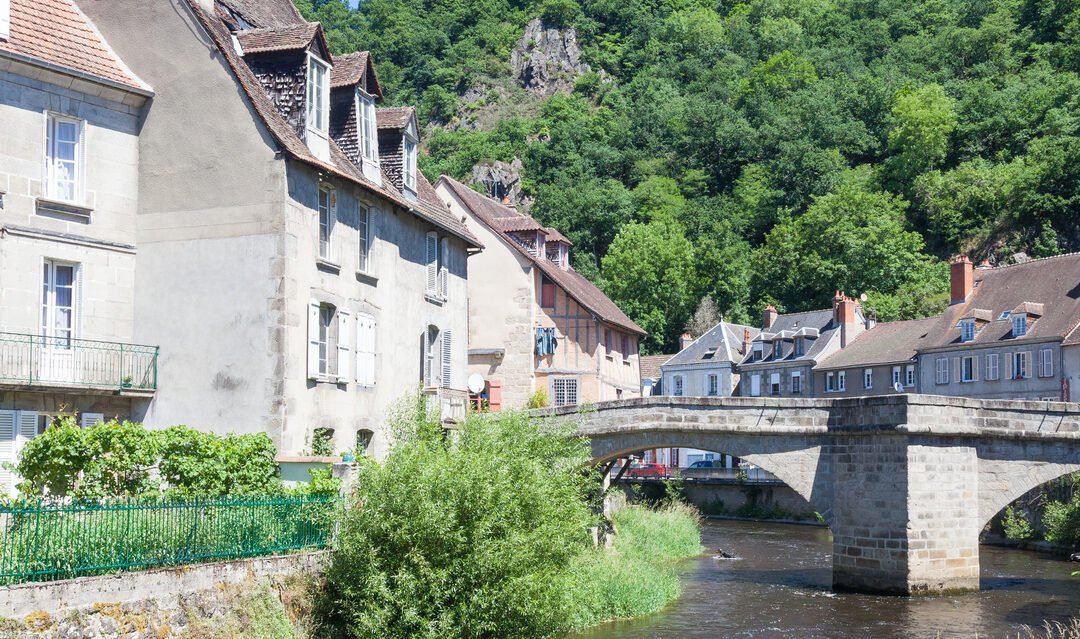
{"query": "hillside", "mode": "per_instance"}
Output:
(763, 151)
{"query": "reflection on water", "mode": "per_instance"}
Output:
(780, 587)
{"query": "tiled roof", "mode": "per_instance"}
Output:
(721, 343)
(885, 343)
(1051, 283)
(394, 117)
(793, 322)
(350, 69)
(57, 32)
(650, 365)
(435, 210)
(265, 13)
(289, 38)
(576, 285)
(556, 236)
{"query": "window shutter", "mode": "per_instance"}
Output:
(313, 340)
(26, 422)
(956, 369)
(447, 357)
(1011, 361)
(343, 349)
(975, 368)
(80, 170)
(432, 261)
(7, 450)
(1027, 364)
(76, 302)
(425, 348)
(444, 255)
(5, 19)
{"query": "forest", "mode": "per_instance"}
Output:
(723, 155)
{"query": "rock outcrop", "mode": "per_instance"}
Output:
(502, 181)
(547, 59)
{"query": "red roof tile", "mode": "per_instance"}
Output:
(394, 117)
(264, 13)
(290, 38)
(56, 32)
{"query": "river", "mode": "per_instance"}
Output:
(779, 586)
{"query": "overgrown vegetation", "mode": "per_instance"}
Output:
(251, 615)
(1051, 512)
(485, 533)
(761, 151)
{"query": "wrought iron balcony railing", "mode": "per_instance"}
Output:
(33, 360)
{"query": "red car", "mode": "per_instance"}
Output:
(658, 471)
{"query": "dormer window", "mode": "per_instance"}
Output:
(799, 346)
(318, 107)
(368, 136)
(5, 19)
(967, 330)
(759, 348)
(777, 349)
(1019, 324)
(408, 161)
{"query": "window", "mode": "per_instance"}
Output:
(608, 347)
(774, 384)
(755, 385)
(896, 376)
(992, 366)
(363, 441)
(830, 382)
(326, 318)
(408, 162)
(365, 350)
(868, 378)
(369, 148)
(796, 383)
(758, 350)
(58, 304)
(565, 391)
(363, 226)
(430, 344)
(431, 259)
(968, 368)
(1021, 365)
(777, 349)
(625, 348)
(5, 31)
(942, 371)
(327, 200)
(909, 375)
(317, 94)
(677, 386)
(967, 330)
(712, 384)
(547, 292)
(800, 346)
(328, 342)
(1019, 325)
(64, 158)
(1046, 362)
(841, 381)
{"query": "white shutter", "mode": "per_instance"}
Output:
(76, 303)
(425, 341)
(313, 340)
(432, 261)
(343, 348)
(26, 422)
(755, 385)
(7, 450)
(86, 420)
(444, 253)
(1027, 363)
(365, 350)
(1011, 359)
(447, 357)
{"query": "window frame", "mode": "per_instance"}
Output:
(830, 382)
(366, 127)
(1019, 324)
(796, 383)
(1021, 365)
(327, 314)
(775, 385)
(799, 346)
(408, 162)
(841, 381)
(896, 376)
(712, 385)
(678, 386)
(321, 108)
(49, 305)
(569, 385)
(909, 375)
(325, 244)
(364, 216)
(967, 330)
(968, 364)
(50, 189)
(868, 378)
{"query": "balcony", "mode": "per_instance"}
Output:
(451, 403)
(36, 362)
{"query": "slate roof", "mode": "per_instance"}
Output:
(576, 285)
(393, 117)
(724, 341)
(792, 322)
(287, 38)
(1050, 286)
(650, 365)
(57, 32)
(284, 135)
(885, 343)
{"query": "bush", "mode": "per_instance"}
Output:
(538, 399)
(474, 535)
(1015, 525)
(1062, 521)
(560, 13)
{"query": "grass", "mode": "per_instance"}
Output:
(637, 576)
(253, 615)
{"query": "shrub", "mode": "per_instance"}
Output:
(1015, 525)
(560, 13)
(538, 399)
(473, 535)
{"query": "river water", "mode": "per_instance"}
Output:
(780, 587)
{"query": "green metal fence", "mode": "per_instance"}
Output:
(43, 540)
(36, 360)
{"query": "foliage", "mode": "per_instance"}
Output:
(322, 442)
(1062, 521)
(115, 459)
(322, 482)
(254, 615)
(1015, 525)
(471, 536)
(704, 318)
(538, 399)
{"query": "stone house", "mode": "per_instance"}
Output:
(782, 356)
(878, 360)
(70, 111)
(535, 322)
(651, 374)
(293, 285)
(1009, 332)
(705, 367)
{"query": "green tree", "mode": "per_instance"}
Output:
(920, 138)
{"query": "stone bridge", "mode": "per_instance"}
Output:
(905, 482)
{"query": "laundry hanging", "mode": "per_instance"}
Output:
(546, 342)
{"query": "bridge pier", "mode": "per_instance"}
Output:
(904, 516)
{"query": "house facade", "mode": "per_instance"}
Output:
(706, 366)
(535, 322)
(70, 111)
(876, 361)
(300, 293)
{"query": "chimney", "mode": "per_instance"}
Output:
(961, 279)
(747, 341)
(684, 341)
(844, 316)
(768, 316)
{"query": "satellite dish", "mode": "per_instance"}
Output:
(863, 297)
(898, 387)
(476, 383)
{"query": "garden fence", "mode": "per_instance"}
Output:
(44, 540)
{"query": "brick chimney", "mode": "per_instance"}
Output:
(684, 341)
(844, 316)
(747, 341)
(961, 279)
(768, 316)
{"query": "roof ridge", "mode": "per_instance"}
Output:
(1031, 261)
